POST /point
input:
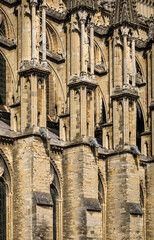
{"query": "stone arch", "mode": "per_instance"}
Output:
(6, 194)
(140, 76)
(103, 102)
(54, 41)
(9, 29)
(8, 165)
(56, 194)
(99, 58)
(55, 103)
(12, 82)
(102, 200)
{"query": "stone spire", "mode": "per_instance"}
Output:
(124, 13)
(76, 4)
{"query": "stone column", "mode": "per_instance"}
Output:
(44, 113)
(33, 5)
(82, 45)
(125, 58)
(92, 47)
(72, 115)
(44, 6)
(92, 115)
(83, 111)
(126, 120)
(34, 101)
(82, 17)
(110, 75)
(133, 64)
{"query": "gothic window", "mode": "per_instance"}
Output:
(139, 126)
(2, 211)
(101, 197)
(2, 80)
(54, 196)
(103, 113)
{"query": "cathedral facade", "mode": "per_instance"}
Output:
(76, 120)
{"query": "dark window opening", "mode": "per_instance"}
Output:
(103, 113)
(139, 126)
(2, 211)
(53, 192)
(2, 80)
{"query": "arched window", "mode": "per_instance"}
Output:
(101, 197)
(139, 126)
(103, 113)
(56, 198)
(2, 80)
(2, 211)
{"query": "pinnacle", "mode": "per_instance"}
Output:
(124, 12)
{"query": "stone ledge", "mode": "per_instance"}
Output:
(43, 199)
(135, 209)
(92, 204)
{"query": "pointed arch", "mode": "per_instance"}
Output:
(12, 82)
(140, 75)
(54, 40)
(5, 196)
(54, 89)
(102, 200)
(56, 194)
(9, 29)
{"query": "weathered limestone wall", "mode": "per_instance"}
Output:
(31, 179)
(150, 201)
(123, 187)
(80, 194)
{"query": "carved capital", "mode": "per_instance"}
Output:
(124, 31)
(82, 16)
(33, 3)
(44, 5)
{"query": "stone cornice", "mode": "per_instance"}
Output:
(58, 15)
(126, 92)
(101, 30)
(29, 68)
(55, 56)
(6, 139)
(77, 81)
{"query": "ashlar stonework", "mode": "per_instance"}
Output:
(76, 120)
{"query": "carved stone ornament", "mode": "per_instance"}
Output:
(1, 168)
